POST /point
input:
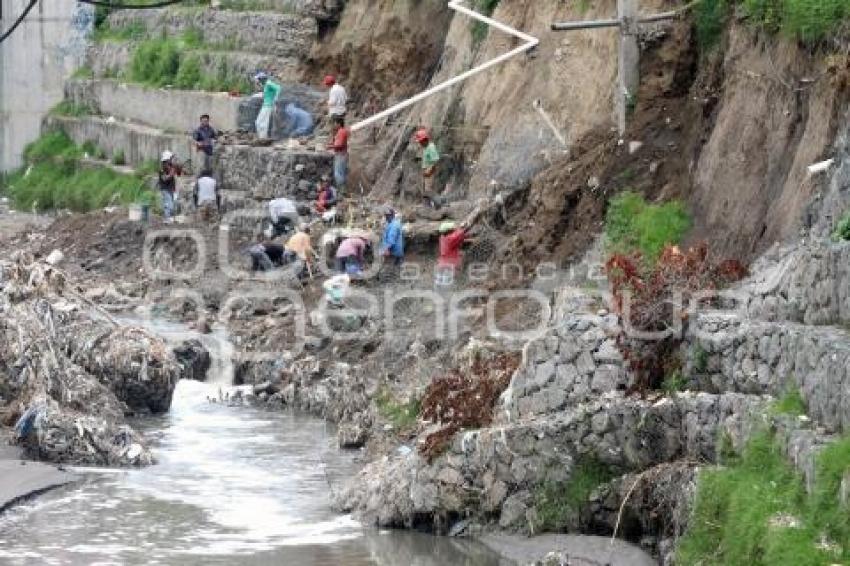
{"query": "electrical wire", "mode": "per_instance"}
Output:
(17, 22)
(108, 4)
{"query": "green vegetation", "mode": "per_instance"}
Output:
(401, 415)
(810, 21)
(54, 178)
(480, 29)
(559, 503)
(83, 72)
(631, 224)
(756, 511)
(131, 32)
(118, 158)
(791, 403)
(254, 6)
(700, 359)
(842, 231)
(673, 383)
(169, 61)
(68, 108)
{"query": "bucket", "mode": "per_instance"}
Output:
(135, 213)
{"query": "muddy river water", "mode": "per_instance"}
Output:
(234, 485)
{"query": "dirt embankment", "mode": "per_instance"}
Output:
(730, 130)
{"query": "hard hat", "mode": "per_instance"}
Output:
(261, 76)
(166, 155)
(447, 226)
(330, 80)
(421, 135)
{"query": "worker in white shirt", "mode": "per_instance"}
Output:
(337, 97)
(206, 195)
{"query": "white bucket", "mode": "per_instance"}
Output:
(135, 213)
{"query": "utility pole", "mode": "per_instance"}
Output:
(628, 65)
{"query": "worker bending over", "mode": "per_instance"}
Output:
(301, 121)
(452, 238)
(299, 249)
(351, 254)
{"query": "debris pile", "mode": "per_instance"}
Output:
(464, 398)
(69, 374)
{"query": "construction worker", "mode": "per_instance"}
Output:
(327, 195)
(204, 137)
(284, 215)
(167, 183)
(206, 195)
(270, 92)
(430, 159)
(339, 145)
(301, 121)
(265, 255)
(351, 254)
(452, 239)
(337, 98)
(392, 242)
(299, 248)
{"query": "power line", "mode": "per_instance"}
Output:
(108, 4)
(17, 22)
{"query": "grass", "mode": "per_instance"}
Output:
(401, 415)
(68, 108)
(53, 178)
(700, 359)
(480, 29)
(83, 72)
(674, 383)
(842, 231)
(791, 403)
(171, 61)
(131, 32)
(558, 504)
(810, 21)
(118, 158)
(756, 511)
(710, 18)
(631, 224)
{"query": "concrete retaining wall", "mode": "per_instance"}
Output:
(139, 143)
(175, 110)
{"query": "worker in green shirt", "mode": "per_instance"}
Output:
(271, 90)
(430, 159)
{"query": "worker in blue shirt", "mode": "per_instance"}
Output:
(392, 243)
(299, 119)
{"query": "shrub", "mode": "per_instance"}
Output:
(558, 505)
(118, 158)
(709, 20)
(648, 297)
(401, 415)
(791, 402)
(842, 231)
(631, 224)
(810, 21)
(480, 29)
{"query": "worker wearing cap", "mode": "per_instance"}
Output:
(270, 92)
(337, 97)
(167, 183)
(430, 159)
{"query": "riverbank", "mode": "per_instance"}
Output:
(21, 480)
(555, 549)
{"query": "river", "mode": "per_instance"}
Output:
(233, 485)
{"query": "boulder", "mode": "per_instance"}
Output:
(194, 358)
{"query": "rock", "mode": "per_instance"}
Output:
(634, 147)
(55, 257)
(593, 183)
(194, 358)
(514, 510)
(351, 435)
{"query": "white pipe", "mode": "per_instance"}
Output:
(531, 42)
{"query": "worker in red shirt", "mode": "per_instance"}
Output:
(452, 239)
(339, 145)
